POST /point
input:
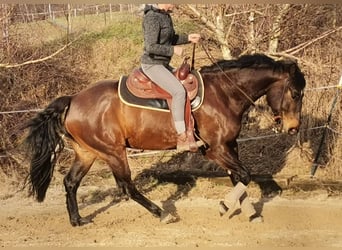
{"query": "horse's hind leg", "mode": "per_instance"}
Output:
(122, 187)
(81, 165)
(122, 174)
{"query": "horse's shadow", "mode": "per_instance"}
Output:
(184, 171)
(181, 171)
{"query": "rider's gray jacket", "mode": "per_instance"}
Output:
(159, 36)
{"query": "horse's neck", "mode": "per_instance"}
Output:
(255, 84)
(258, 85)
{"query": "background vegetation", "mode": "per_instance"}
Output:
(63, 51)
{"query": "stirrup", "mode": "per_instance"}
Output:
(194, 145)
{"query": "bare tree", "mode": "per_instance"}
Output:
(267, 28)
(5, 17)
(276, 28)
(213, 19)
(4, 22)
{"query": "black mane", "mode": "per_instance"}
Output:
(245, 61)
(259, 61)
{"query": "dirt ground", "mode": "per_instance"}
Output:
(297, 218)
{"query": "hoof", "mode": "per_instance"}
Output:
(80, 222)
(167, 218)
(256, 219)
(222, 208)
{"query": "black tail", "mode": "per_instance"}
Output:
(44, 143)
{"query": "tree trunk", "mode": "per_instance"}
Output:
(5, 29)
(251, 34)
(221, 37)
(276, 28)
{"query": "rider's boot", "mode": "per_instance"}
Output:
(182, 142)
(186, 142)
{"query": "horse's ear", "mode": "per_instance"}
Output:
(293, 68)
(290, 66)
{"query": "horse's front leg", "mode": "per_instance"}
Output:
(227, 157)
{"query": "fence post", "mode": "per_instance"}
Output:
(69, 22)
(50, 12)
(315, 163)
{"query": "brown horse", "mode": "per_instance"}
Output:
(99, 125)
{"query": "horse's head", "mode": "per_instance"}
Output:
(285, 98)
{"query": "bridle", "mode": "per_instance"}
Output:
(278, 117)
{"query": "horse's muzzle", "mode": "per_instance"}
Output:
(286, 125)
(292, 131)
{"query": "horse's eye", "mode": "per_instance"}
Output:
(295, 95)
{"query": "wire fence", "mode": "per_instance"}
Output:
(51, 11)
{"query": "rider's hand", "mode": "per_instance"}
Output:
(178, 50)
(194, 38)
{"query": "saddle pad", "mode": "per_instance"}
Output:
(156, 104)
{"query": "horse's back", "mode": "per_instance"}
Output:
(99, 90)
(94, 98)
(89, 108)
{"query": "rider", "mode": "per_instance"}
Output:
(160, 43)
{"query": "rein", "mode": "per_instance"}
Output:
(193, 57)
(224, 73)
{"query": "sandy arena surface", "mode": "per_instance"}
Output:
(295, 219)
